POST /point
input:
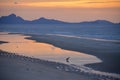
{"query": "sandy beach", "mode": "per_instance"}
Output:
(108, 52)
(18, 67)
(13, 66)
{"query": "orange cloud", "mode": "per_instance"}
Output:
(73, 4)
(66, 3)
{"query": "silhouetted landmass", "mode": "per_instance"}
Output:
(105, 22)
(13, 19)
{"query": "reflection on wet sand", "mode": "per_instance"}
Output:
(22, 46)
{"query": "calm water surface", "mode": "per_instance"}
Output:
(18, 44)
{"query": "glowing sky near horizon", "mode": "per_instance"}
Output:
(65, 10)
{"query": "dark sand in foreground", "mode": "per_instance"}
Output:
(16, 67)
(108, 52)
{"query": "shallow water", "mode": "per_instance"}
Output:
(87, 31)
(18, 44)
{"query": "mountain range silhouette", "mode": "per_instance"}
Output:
(13, 19)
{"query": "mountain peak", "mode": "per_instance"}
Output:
(42, 18)
(12, 15)
(103, 21)
(11, 19)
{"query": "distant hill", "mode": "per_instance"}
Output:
(13, 19)
(47, 21)
(105, 22)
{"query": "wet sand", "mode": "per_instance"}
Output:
(18, 67)
(14, 66)
(18, 44)
(108, 52)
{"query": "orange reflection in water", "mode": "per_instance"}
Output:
(18, 44)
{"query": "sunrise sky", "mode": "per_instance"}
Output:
(65, 10)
